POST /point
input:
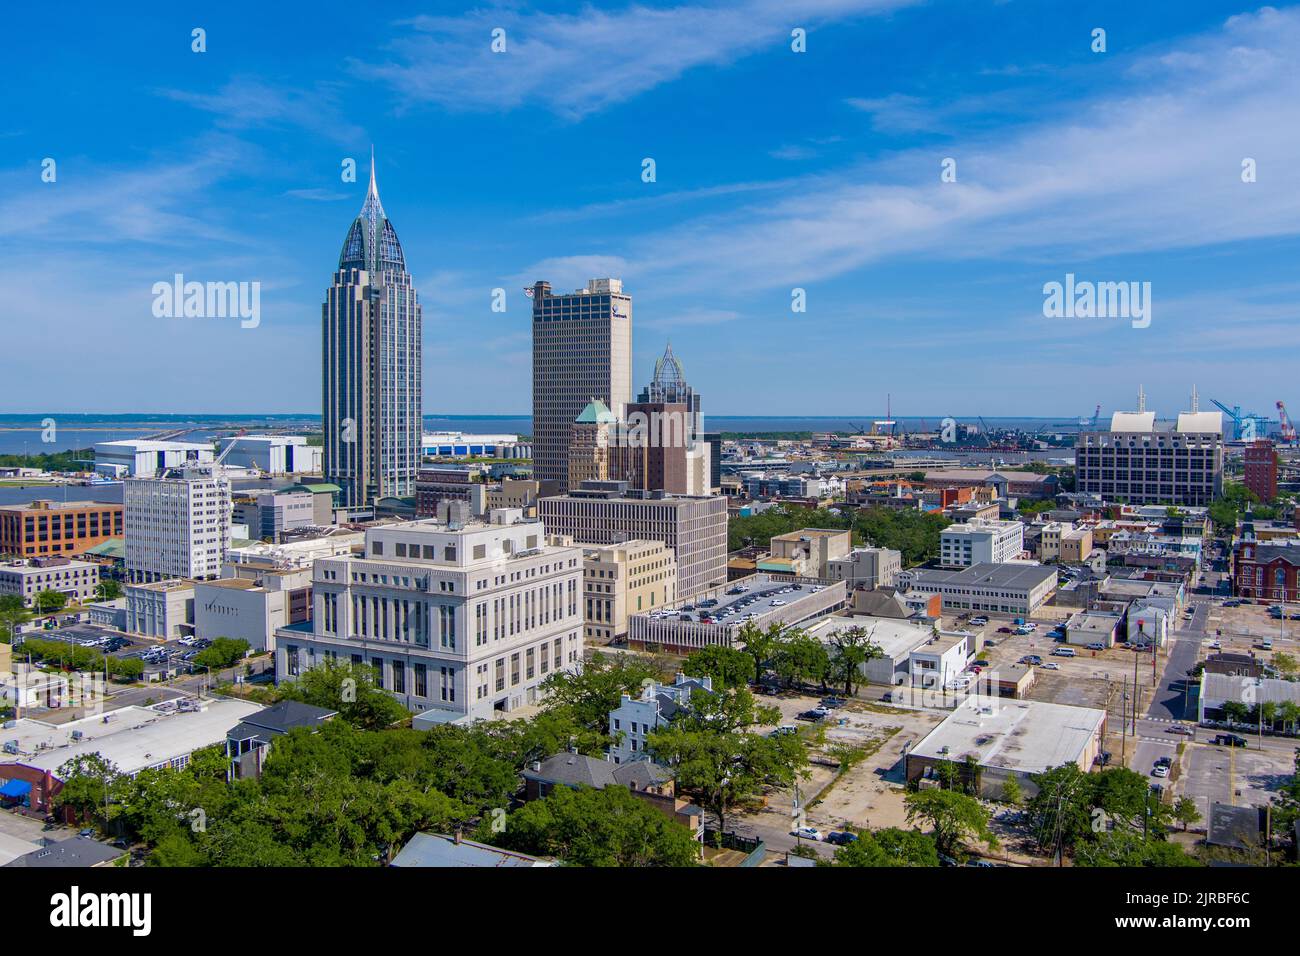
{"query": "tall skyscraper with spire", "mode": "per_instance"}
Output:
(371, 351)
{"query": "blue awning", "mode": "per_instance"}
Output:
(16, 788)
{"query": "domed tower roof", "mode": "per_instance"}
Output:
(372, 242)
(669, 376)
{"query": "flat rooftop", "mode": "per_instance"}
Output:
(1024, 736)
(1008, 575)
(132, 737)
(232, 584)
(759, 590)
(896, 637)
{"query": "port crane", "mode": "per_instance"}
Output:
(1287, 429)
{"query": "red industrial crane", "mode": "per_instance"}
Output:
(1288, 430)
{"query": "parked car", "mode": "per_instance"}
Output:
(817, 713)
(1033, 660)
(1096, 646)
(1051, 666)
(784, 729)
(1004, 630)
(807, 833)
(841, 837)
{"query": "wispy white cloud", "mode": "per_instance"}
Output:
(1155, 166)
(576, 64)
(247, 102)
(162, 201)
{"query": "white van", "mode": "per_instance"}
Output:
(1064, 652)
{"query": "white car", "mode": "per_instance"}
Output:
(1051, 666)
(807, 833)
(1160, 771)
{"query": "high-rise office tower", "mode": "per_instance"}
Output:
(662, 446)
(582, 350)
(372, 364)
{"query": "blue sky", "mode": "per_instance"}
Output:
(775, 170)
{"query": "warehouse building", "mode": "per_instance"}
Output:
(1008, 738)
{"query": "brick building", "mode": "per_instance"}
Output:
(49, 528)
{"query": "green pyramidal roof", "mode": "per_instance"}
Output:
(596, 413)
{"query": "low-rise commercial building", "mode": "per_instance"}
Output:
(47, 528)
(807, 553)
(896, 638)
(719, 613)
(980, 542)
(26, 579)
(1220, 690)
(252, 609)
(130, 738)
(996, 739)
(1093, 627)
(161, 609)
(866, 567)
(1015, 588)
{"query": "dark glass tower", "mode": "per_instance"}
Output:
(371, 350)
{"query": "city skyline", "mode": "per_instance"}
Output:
(527, 165)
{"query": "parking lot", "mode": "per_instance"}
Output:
(739, 603)
(1244, 776)
(1244, 629)
(870, 793)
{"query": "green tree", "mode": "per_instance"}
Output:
(888, 847)
(1060, 813)
(222, 652)
(50, 601)
(1128, 848)
(953, 818)
(89, 785)
(1124, 796)
(1236, 712)
(1012, 792)
(108, 590)
(1185, 811)
(1286, 802)
(727, 666)
(720, 766)
(1285, 664)
(590, 694)
(760, 646)
(851, 650)
(351, 690)
(801, 658)
(13, 614)
(608, 827)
